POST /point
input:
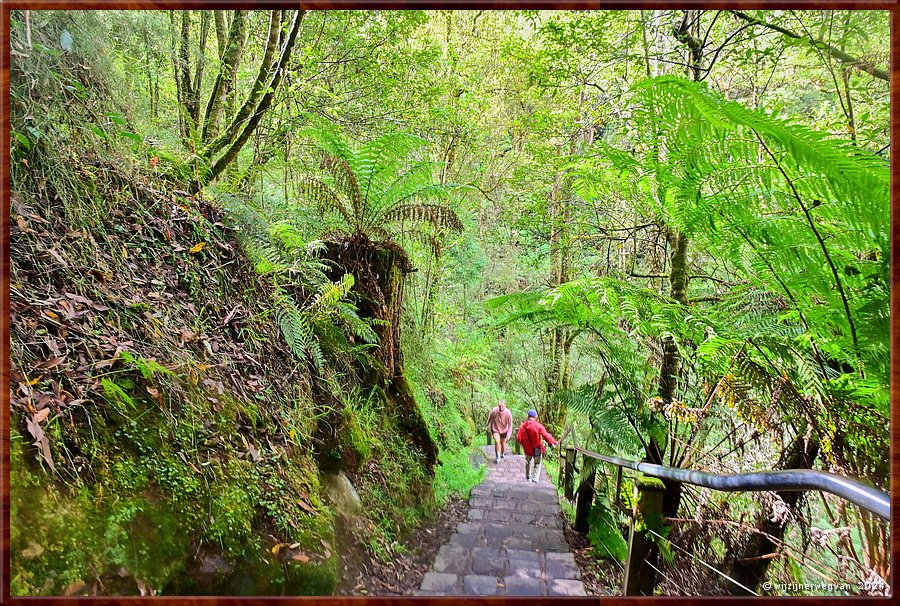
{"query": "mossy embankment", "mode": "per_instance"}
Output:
(164, 438)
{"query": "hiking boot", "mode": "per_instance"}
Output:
(534, 480)
(497, 460)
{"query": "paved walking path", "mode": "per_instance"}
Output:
(512, 542)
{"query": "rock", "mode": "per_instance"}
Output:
(213, 564)
(342, 494)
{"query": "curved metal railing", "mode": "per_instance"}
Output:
(869, 498)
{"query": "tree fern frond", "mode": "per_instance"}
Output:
(325, 199)
(440, 217)
(345, 181)
(296, 329)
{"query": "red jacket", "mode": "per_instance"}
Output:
(530, 434)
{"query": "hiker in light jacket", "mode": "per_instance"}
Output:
(529, 436)
(500, 425)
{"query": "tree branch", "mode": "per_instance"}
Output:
(837, 53)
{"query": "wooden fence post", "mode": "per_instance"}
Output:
(569, 473)
(640, 578)
(585, 494)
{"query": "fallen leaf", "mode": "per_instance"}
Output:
(45, 451)
(277, 547)
(104, 363)
(74, 588)
(41, 415)
(300, 557)
(154, 161)
(33, 550)
(253, 452)
(35, 430)
(51, 363)
(57, 256)
(231, 314)
(197, 248)
(306, 506)
(52, 315)
(155, 393)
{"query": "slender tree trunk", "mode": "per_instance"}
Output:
(266, 101)
(557, 376)
(677, 246)
(230, 59)
(184, 73)
(265, 76)
(221, 32)
(198, 70)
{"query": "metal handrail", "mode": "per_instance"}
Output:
(869, 498)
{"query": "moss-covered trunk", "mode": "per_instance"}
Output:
(379, 270)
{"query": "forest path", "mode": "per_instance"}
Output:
(512, 542)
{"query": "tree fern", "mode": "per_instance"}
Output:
(375, 190)
(311, 311)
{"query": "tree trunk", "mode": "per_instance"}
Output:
(268, 74)
(230, 59)
(199, 67)
(557, 374)
(380, 270)
(235, 145)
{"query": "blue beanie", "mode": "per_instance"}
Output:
(532, 413)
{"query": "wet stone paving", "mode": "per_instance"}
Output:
(512, 542)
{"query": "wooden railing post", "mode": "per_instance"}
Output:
(585, 494)
(569, 473)
(640, 578)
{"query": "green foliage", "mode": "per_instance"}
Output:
(117, 395)
(147, 367)
(605, 533)
(311, 311)
(580, 166)
(456, 476)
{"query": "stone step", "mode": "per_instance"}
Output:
(511, 544)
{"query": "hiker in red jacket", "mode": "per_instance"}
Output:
(529, 436)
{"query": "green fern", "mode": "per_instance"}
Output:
(313, 313)
(374, 190)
